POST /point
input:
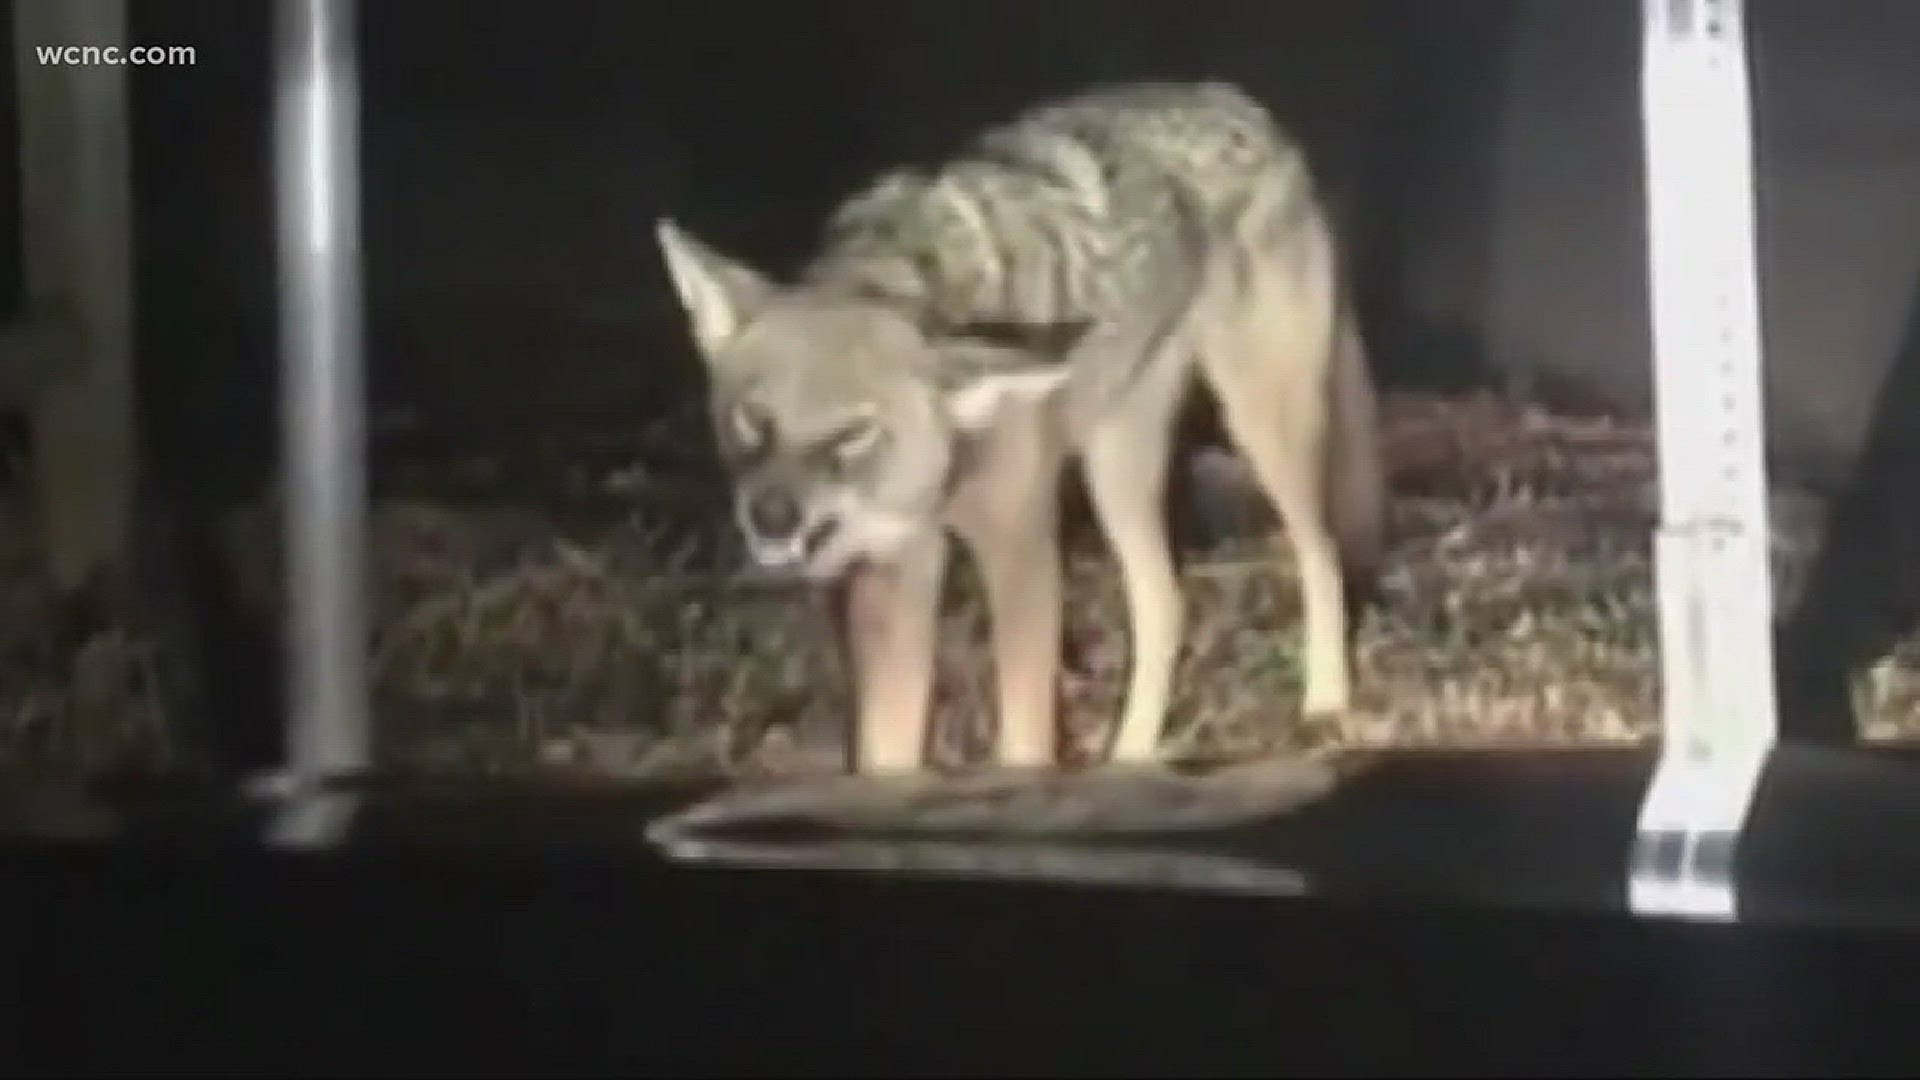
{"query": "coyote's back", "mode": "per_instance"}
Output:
(1073, 210)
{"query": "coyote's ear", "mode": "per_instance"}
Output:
(718, 293)
(984, 371)
(978, 400)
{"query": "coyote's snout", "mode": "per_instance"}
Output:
(1048, 298)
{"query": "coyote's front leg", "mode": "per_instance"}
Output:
(889, 614)
(1008, 514)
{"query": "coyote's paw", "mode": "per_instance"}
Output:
(1137, 752)
(1323, 721)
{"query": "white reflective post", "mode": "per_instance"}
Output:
(1711, 547)
(316, 154)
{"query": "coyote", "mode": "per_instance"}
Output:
(1046, 297)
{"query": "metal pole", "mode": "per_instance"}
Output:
(316, 155)
(73, 349)
(1715, 601)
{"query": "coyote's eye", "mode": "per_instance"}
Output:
(748, 426)
(855, 443)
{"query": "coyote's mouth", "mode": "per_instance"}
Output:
(806, 553)
(816, 536)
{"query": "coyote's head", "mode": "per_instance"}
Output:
(840, 419)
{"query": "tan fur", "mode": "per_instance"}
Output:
(1174, 234)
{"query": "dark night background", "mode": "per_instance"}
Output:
(1482, 155)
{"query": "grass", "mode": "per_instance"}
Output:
(1516, 609)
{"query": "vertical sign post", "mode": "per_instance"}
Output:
(1711, 547)
(316, 157)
